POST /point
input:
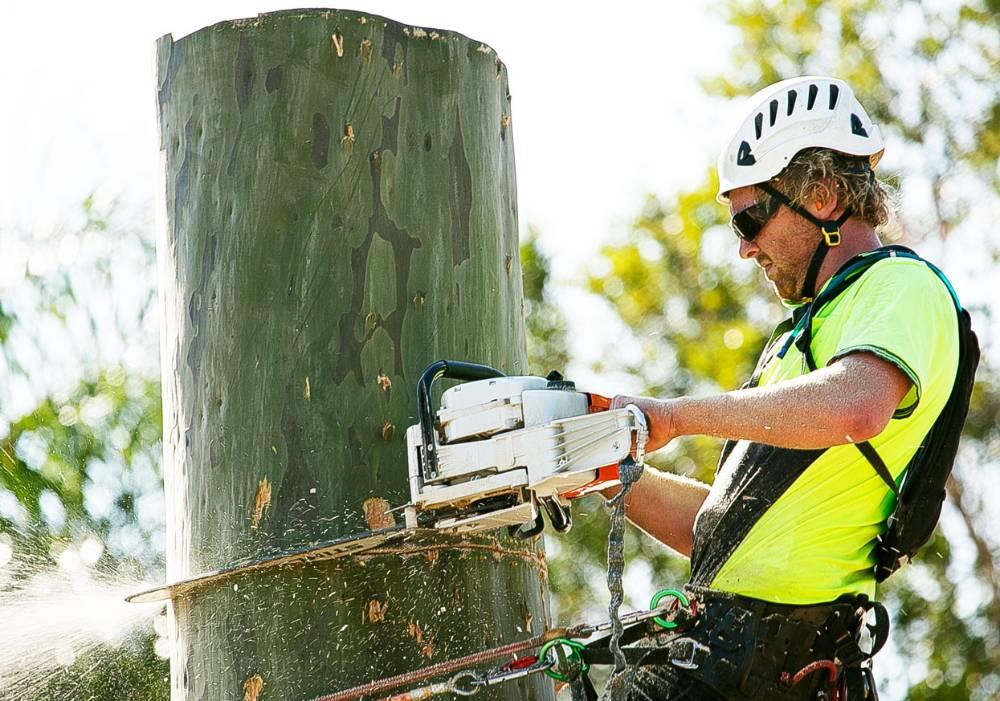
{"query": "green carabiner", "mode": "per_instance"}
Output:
(679, 595)
(575, 649)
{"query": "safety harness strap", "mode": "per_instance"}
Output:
(878, 464)
(829, 228)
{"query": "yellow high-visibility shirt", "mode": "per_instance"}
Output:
(799, 526)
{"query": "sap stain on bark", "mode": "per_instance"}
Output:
(173, 64)
(459, 197)
(403, 244)
(244, 75)
(243, 83)
(274, 78)
(197, 308)
(320, 141)
(182, 179)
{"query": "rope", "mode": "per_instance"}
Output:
(460, 663)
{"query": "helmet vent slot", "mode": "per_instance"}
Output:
(758, 124)
(744, 157)
(792, 95)
(813, 92)
(834, 94)
(857, 127)
(774, 112)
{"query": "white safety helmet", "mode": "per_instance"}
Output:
(784, 118)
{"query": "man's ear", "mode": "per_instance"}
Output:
(824, 203)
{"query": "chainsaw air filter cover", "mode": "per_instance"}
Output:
(486, 407)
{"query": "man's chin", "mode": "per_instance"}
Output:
(787, 296)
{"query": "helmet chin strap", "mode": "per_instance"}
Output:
(831, 238)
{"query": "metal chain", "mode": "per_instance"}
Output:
(629, 473)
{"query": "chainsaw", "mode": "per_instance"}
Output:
(501, 449)
(496, 453)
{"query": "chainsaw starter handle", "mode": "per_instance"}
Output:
(454, 370)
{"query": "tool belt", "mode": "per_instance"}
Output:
(748, 649)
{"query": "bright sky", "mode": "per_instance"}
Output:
(606, 106)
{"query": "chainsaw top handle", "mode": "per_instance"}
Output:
(452, 369)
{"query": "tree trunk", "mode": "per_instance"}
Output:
(340, 212)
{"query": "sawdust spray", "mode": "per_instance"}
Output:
(52, 616)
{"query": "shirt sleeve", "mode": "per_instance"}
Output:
(899, 311)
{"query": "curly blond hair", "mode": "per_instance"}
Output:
(813, 172)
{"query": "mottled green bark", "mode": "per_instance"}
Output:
(340, 211)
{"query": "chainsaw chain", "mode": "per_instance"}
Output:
(629, 473)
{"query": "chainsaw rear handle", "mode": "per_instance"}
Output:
(454, 370)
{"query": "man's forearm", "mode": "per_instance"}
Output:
(665, 506)
(831, 406)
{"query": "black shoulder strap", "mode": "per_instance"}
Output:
(848, 274)
(868, 450)
(842, 279)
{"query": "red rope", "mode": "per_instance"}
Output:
(837, 693)
(441, 668)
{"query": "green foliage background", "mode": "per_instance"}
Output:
(86, 461)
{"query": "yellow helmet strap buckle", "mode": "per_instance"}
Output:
(831, 233)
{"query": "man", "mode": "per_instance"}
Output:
(790, 523)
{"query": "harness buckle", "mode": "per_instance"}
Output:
(685, 650)
(831, 233)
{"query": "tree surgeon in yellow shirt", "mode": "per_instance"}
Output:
(782, 545)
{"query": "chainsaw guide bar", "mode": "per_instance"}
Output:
(329, 550)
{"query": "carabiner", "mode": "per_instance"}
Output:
(575, 649)
(678, 595)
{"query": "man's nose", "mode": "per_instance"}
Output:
(748, 249)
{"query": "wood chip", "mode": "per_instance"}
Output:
(376, 610)
(377, 514)
(384, 383)
(252, 688)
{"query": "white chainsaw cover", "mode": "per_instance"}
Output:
(485, 407)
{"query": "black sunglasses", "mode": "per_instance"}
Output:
(748, 222)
